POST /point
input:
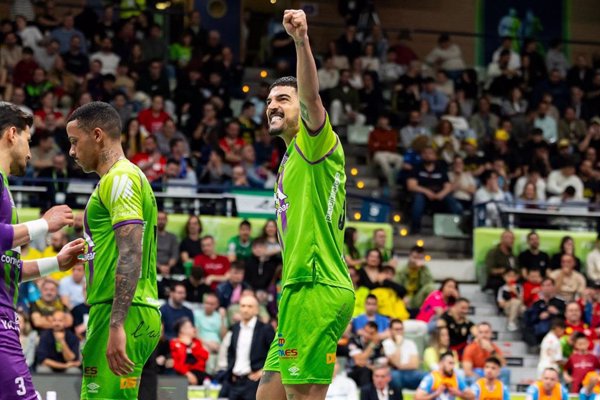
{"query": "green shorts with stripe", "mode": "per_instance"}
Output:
(142, 327)
(312, 319)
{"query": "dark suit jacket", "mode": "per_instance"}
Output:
(369, 392)
(261, 342)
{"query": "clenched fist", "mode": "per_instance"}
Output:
(294, 22)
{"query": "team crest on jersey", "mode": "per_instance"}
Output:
(281, 203)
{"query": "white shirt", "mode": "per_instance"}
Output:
(68, 287)
(513, 63)
(383, 394)
(550, 353)
(540, 188)
(408, 349)
(592, 265)
(342, 388)
(328, 78)
(557, 183)
(110, 62)
(242, 362)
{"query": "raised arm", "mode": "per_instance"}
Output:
(311, 107)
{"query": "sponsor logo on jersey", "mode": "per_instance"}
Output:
(122, 188)
(332, 195)
(331, 357)
(4, 259)
(90, 372)
(88, 256)
(7, 324)
(93, 387)
(294, 370)
(280, 202)
(285, 353)
(128, 383)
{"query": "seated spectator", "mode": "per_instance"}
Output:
(570, 283)
(567, 246)
(413, 130)
(474, 159)
(507, 44)
(44, 152)
(153, 119)
(269, 233)
(42, 310)
(58, 350)
(429, 185)
(548, 387)
(72, 288)
(48, 107)
(551, 349)
(258, 176)
(501, 76)
(80, 315)
(436, 98)
(445, 140)
(351, 253)
(150, 161)
(342, 387)
(403, 356)
(533, 258)
(439, 344)
(189, 355)
(532, 287)
(216, 171)
(369, 274)
(390, 295)
(478, 351)
(498, 260)
(211, 324)
(364, 350)
(239, 178)
(443, 383)
(546, 123)
(539, 317)
(446, 56)
(560, 179)
(571, 127)
(167, 248)
(484, 122)
(28, 337)
(459, 326)
(167, 136)
(390, 71)
(574, 323)
(380, 242)
(173, 310)
(259, 268)
(215, 266)
(360, 293)
(383, 149)
(345, 103)
(579, 363)
(371, 98)
(592, 265)
(107, 57)
(381, 387)
(232, 144)
(454, 115)
(438, 301)
(556, 59)
(328, 74)
(239, 248)
(463, 183)
(230, 291)
(510, 299)
(154, 80)
(489, 197)
(195, 287)
(371, 315)
(416, 278)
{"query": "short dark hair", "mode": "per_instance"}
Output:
(179, 324)
(446, 354)
(463, 300)
(549, 279)
(178, 283)
(558, 323)
(371, 296)
(493, 360)
(197, 273)
(245, 223)
(172, 161)
(11, 115)
(372, 324)
(285, 81)
(238, 266)
(98, 114)
(579, 335)
(530, 234)
(417, 249)
(396, 321)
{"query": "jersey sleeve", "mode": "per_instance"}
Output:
(314, 147)
(565, 393)
(532, 393)
(462, 383)
(426, 384)
(505, 393)
(476, 390)
(121, 194)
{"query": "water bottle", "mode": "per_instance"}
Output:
(206, 388)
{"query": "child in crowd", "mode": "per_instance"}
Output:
(510, 299)
(551, 355)
(531, 287)
(580, 363)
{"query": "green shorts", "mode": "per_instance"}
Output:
(142, 327)
(312, 318)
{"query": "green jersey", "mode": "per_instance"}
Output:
(123, 196)
(241, 250)
(310, 202)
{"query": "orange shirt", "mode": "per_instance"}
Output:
(477, 356)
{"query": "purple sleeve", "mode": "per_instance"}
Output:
(7, 234)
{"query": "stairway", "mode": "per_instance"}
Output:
(523, 365)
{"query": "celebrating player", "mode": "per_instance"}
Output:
(317, 299)
(15, 379)
(120, 230)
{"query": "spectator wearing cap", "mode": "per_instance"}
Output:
(560, 179)
(592, 265)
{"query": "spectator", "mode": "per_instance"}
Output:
(58, 350)
(342, 387)
(403, 356)
(345, 103)
(215, 266)
(438, 301)
(369, 274)
(416, 278)
(30, 35)
(446, 56)
(364, 351)
(383, 149)
(570, 283)
(571, 127)
(440, 344)
(150, 161)
(510, 299)
(579, 363)
(369, 60)
(189, 355)
(258, 176)
(489, 197)
(555, 59)
(240, 247)
(498, 260)
(72, 288)
(501, 76)
(190, 246)
(44, 152)
(174, 310)
(43, 309)
(380, 388)
(24, 69)
(154, 80)
(154, 118)
(28, 337)
(212, 326)
(478, 351)
(532, 287)
(548, 387)
(66, 33)
(533, 258)
(328, 74)
(551, 349)
(463, 183)
(438, 101)
(443, 383)
(413, 130)
(446, 141)
(390, 71)
(259, 268)
(429, 184)
(347, 43)
(154, 47)
(592, 265)
(46, 56)
(539, 316)
(459, 326)
(351, 253)
(489, 383)
(232, 144)
(507, 45)
(567, 246)
(245, 361)
(269, 233)
(560, 179)
(371, 315)
(195, 287)
(216, 171)
(167, 243)
(107, 57)
(371, 98)
(575, 323)
(230, 291)
(484, 122)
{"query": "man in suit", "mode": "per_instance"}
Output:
(380, 388)
(250, 343)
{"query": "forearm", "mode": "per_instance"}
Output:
(54, 364)
(421, 395)
(445, 191)
(68, 355)
(12, 236)
(311, 108)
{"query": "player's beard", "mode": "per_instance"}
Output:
(18, 168)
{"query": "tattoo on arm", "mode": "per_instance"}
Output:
(129, 265)
(267, 377)
(304, 112)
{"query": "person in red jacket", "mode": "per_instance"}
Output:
(153, 119)
(532, 287)
(383, 149)
(189, 356)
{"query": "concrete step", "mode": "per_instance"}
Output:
(513, 348)
(482, 309)
(505, 336)
(498, 323)
(525, 361)
(521, 374)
